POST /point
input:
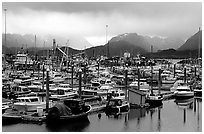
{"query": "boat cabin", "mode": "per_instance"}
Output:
(76, 105)
(28, 99)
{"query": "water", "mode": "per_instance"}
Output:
(171, 117)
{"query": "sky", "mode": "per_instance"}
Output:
(100, 21)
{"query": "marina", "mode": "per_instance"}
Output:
(168, 118)
(132, 83)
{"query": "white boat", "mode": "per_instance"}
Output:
(176, 84)
(143, 85)
(116, 93)
(19, 90)
(63, 91)
(22, 59)
(29, 104)
(183, 92)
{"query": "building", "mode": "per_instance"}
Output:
(136, 97)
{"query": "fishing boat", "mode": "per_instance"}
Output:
(29, 104)
(198, 89)
(117, 105)
(154, 100)
(183, 92)
(69, 110)
(11, 118)
(63, 90)
(20, 90)
(23, 60)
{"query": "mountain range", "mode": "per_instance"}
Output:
(127, 42)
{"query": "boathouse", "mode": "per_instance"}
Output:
(136, 97)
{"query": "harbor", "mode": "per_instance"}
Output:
(61, 81)
(170, 117)
(151, 99)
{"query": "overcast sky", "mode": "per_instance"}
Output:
(89, 20)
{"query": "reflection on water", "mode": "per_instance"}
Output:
(158, 119)
(68, 127)
(172, 116)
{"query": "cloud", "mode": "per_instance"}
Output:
(89, 19)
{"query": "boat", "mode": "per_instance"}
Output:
(22, 60)
(117, 105)
(68, 110)
(143, 85)
(183, 92)
(184, 102)
(63, 90)
(198, 89)
(20, 90)
(176, 84)
(5, 104)
(198, 92)
(31, 103)
(154, 100)
(11, 118)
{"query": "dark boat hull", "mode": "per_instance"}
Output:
(55, 117)
(117, 110)
(198, 93)
(11, 119)
(154, 103)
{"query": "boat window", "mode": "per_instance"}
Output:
(183, 89)
(27, 100)
(112, 103)
(119, 102)
(67, 90)
(60, 92)
(34, 100)
(25, 89)
(122, 94)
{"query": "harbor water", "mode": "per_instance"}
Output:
(172, 116)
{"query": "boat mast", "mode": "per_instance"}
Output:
(151, 69)
(198, 46)
(35, 48)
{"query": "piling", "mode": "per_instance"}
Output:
(184, 74)
(72, 79)
(98, 69)
(38, 70)
(43, 77)
(195, 71)
(85, 75)
(151, 79)
(159, 82)
(126, 73)
(80, 71)
(47, 91)
(174, 70)
(138, 79)
(26, 64)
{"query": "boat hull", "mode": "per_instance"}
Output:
(55, 116)
(10, 119)
(198, 93)
(183, 95)
(117, 109)
(154, 102)
(29, 107)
